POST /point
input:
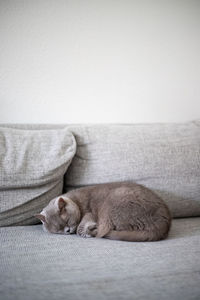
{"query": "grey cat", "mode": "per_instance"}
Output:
(121, 211)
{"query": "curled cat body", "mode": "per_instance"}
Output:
(121, 211)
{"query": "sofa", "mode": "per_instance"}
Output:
(40, 162)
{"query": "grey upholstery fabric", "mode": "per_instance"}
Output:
(32, 166)
(37, 265)
(163, 157)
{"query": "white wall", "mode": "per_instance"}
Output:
(99, 61)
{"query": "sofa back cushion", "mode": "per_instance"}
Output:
(32, 167)
(163, 157)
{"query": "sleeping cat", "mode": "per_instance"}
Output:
(120, 211)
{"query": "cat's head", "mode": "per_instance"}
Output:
(61, 215)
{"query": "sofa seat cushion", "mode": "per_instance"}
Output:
(35, 264)
(32, 168)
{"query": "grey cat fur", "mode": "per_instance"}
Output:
(121, 211)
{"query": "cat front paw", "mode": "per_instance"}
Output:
(87, 230)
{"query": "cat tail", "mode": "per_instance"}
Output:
(155, 234)
(129, 236)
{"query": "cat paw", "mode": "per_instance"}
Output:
(87, 230)
(92, 229)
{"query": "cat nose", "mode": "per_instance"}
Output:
(67, 229)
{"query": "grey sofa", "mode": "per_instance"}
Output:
(163, 157)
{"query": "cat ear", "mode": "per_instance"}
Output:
(40, 217)
(61, 203)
